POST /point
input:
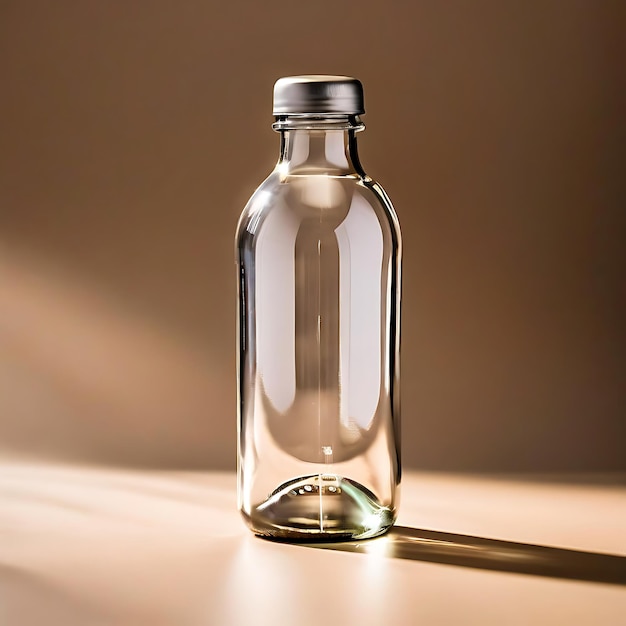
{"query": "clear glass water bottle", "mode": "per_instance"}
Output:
(319, 254)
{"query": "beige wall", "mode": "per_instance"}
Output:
(133, 132)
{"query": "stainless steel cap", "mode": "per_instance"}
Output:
(318, 94)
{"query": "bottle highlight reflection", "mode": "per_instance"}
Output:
(318, 250)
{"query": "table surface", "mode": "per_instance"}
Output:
(88, 545)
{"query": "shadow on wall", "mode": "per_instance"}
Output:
(84, 376)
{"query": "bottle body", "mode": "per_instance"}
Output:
(318, 254)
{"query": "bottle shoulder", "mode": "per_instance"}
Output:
(306, 200)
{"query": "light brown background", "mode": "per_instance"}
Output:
(132, 134)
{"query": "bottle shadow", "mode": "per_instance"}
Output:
(432, 546)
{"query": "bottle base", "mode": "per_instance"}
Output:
(320, 507)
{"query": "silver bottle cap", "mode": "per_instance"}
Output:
(295, 95)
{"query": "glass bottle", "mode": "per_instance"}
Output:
(318, 253)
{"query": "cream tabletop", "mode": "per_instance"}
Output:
(91, 545)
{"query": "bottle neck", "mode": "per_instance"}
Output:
(319, 145)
